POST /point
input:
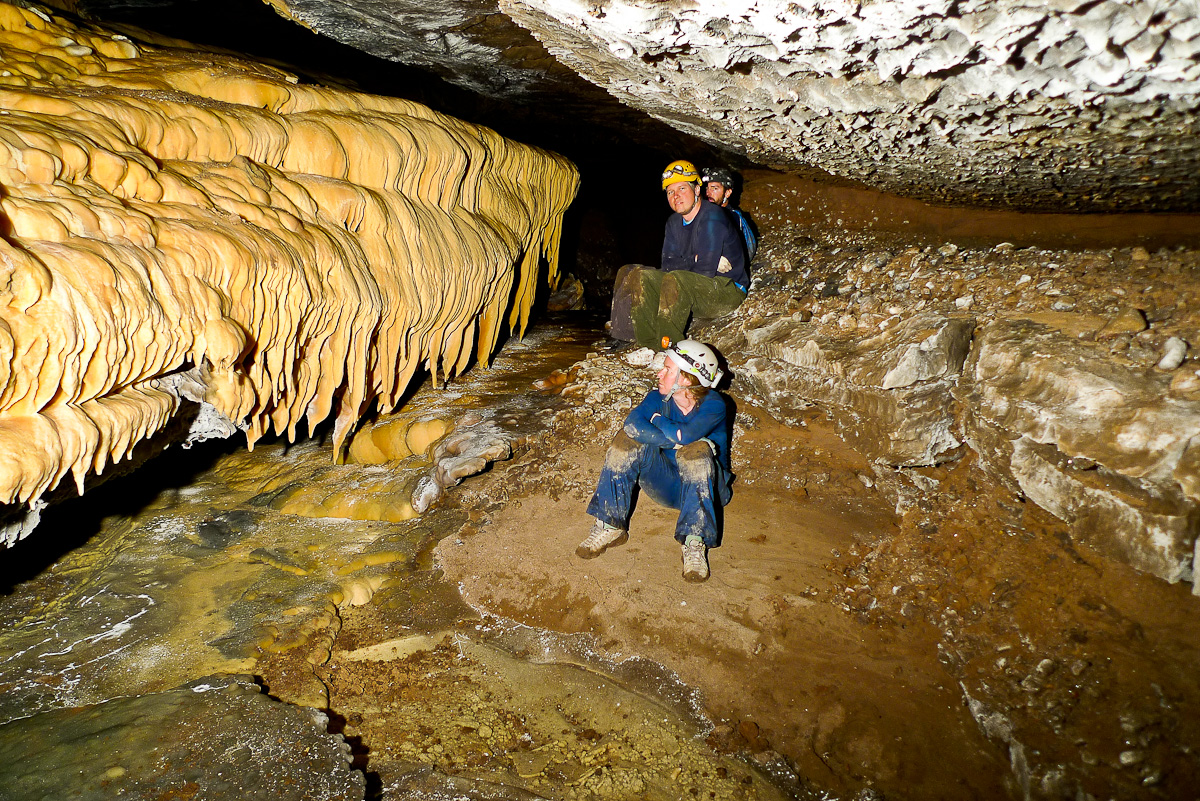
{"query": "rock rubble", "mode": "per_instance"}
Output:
(1071, 407)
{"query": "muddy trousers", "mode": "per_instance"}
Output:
(650, 304)
(690, 482)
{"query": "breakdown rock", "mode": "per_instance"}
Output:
(890, 393)
(1098, 445)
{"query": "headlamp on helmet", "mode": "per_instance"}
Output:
(697, 359)
(718, 175)
(679, 171)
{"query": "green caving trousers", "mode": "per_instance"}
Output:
(657, 304)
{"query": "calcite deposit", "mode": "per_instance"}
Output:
(300, 252)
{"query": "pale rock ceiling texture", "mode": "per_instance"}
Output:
(1067, 105)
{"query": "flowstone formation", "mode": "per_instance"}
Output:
(183, 226)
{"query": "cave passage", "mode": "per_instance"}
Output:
(958, 564)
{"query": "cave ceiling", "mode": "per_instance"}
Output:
(1040, 105)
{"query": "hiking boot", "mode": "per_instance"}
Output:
(695, 562)
(602, 538)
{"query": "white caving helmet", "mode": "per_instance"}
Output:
(697, 359)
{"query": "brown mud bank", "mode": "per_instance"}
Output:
(898, 606)
(781, 665)
(937, 653)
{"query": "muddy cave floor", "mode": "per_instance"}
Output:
(948, 651)
(847, 639)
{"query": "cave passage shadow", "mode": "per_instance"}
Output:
(70, 520)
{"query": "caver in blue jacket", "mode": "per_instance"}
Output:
(679, 460)
(699, 245)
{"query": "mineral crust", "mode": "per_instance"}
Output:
(301, 252)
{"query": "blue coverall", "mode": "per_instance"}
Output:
(664, 451)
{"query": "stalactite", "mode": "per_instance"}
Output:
(310, 249)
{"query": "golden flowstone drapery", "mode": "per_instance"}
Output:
(310, 248)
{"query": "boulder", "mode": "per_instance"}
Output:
(1102, 446)
(888, 392)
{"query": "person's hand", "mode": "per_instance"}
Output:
(724, 266)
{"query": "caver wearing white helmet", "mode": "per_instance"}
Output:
(674, 446)
(697, 359)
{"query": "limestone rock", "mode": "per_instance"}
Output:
(988, 102)
(889, 392)
(1054, 106)
(1173, 354)
(466, 452)
(1035, 400)
(938, 355)
(218, 738)
(1128, 321)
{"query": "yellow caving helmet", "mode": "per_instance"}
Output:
(678, 171)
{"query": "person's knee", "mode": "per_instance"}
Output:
(696, 461)
(622, 452)
(624, 443)
(669, 293)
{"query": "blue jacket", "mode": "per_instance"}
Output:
(747, 232)
(699, 245)
(672, 427)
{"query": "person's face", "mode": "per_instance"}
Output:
(682, 196)
(717, 193)
(667, 377)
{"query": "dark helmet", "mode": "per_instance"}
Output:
(718, 175)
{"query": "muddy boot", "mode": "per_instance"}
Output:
(603, 536)
(695, 562)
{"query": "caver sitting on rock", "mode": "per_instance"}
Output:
(719, 188)
(703, 268)
(675, 447)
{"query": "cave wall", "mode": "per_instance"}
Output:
(184, 225)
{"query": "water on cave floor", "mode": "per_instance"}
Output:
(187, 568)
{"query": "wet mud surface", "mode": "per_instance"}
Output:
(283, 565)
(955, 647)
(784, 669)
